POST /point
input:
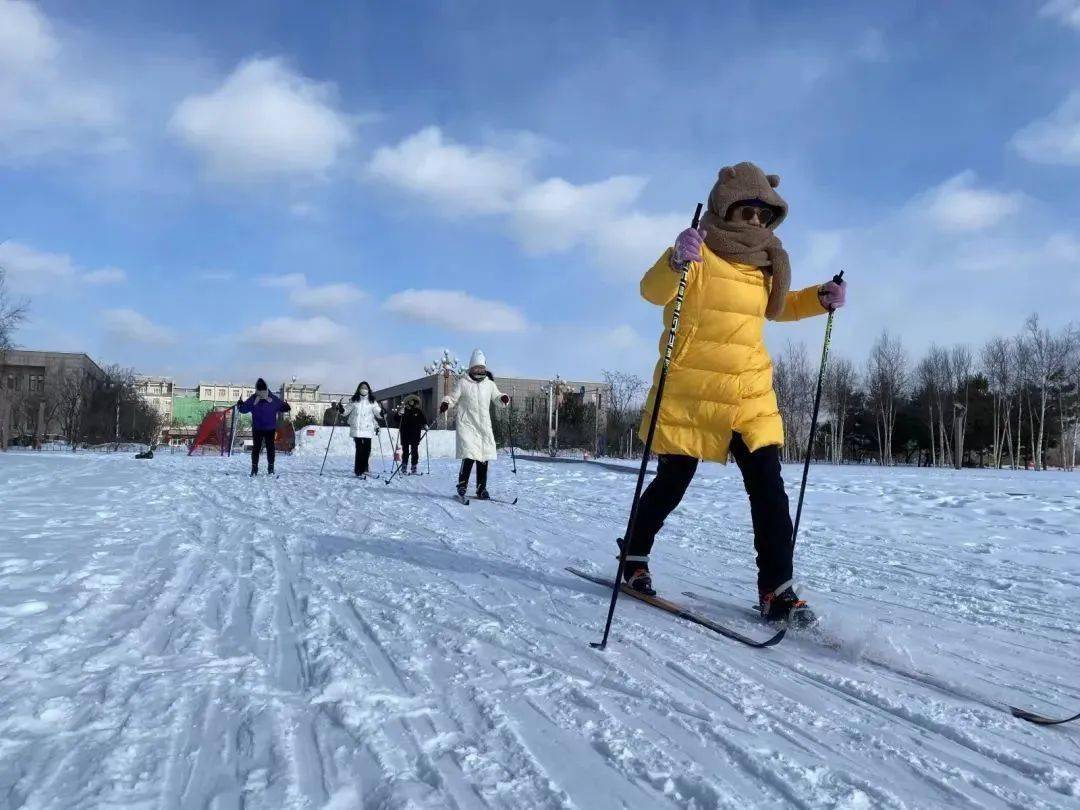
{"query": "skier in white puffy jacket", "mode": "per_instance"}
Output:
(473, 395)
(364, 415)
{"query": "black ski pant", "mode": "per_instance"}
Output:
(259, 438)
(466, 471)
(360, 458)
(410, 449)
(769, 511)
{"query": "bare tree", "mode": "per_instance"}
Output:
(997, 363)
(624, 403)
(795, 397)
(73, 399)
(1042, 352)
(1064, 383)
(886, 382)
(927, 385)
(960, 367)
(841, 381)
(12, 313)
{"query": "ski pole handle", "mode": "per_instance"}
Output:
(838, 279)
(697, 219)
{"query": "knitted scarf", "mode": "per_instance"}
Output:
(743, 242)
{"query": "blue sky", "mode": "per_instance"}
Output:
(340, 190)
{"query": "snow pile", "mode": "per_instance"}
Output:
(176, 634)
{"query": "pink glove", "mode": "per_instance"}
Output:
(833, 295)
(688, 246)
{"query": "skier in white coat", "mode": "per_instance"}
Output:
(473, 395)
(364, 415)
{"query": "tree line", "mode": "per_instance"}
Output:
(1013, 402)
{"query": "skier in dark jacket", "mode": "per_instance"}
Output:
(264, 408)
(410, 428)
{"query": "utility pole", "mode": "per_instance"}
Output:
(117, 415)
(596, 427)
(554, 390)
(551, 432)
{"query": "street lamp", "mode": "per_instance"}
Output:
(446, 367)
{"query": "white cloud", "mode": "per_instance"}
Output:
(631, 242)
(326, 296)
(458, 179)
(871, 47)
(47, 103)
(294, 332)
(286, 281)
(958, 205)
(550, 215)
(938, 284)
(1054, 140)
(265, 121)
(131, 326)
(555, 215)
(1066, 12)
(106, 275)
(457, 310)
(31, 270)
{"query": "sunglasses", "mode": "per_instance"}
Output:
(748, 212)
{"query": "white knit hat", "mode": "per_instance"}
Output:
(477, 359)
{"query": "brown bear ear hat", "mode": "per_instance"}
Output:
(745, 243)
(742, 182)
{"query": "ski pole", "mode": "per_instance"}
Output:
(839, 278)
(401, 466)
(427, 449)
(331, 439)
(382, 454)
(631, 523)
(510, 430)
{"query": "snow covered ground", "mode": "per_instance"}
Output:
(175, 634)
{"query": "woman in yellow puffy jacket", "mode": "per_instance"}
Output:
(719, 398)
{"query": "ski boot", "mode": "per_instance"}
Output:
(637, 578)
(482, 495)
(784, 605)
(254, 472)
(636, 574)
(413, 470)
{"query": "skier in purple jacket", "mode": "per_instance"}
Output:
(264, 408)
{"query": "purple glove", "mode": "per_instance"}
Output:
(833, 295)
(688, 246)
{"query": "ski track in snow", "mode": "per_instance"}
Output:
(174, 634)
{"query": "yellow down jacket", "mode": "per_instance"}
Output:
(720, 379)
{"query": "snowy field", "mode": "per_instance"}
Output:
(175, 634)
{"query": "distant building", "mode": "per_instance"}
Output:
(529, 396)
(158, 392)
(30, 384)
(223, 393)
(304, 397)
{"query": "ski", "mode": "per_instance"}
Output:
(1041, 720)
(753, 614)
(498, 500)
(683, 613)
(462, 500)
